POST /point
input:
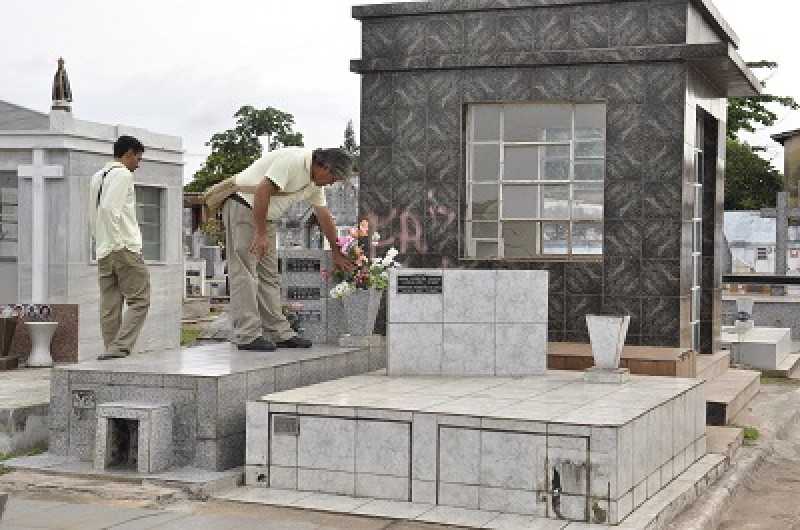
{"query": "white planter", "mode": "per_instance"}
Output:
(744, 306)
(607, 335)
(41, 335)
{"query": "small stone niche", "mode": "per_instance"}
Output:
(133, 436)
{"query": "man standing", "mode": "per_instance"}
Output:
(122, 273)
(267, 189)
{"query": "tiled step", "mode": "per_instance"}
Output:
(653, 513)
(711, 366)
(728, 393)
(724, 441)
(786, 368)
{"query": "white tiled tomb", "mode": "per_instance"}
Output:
(467, 322)
(502, 444)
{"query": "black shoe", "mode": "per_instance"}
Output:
(295, 342)
(259, 344)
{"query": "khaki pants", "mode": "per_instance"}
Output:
(254, 283)
(123, 278)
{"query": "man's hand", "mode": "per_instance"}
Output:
(259, 244)
(341, 262)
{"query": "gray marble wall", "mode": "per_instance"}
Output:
(420, 72)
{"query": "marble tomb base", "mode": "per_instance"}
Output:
(548, 446)
(764, 348)
(205, 387)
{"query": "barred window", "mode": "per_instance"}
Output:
(9, 246)
(148, 215)
(535, 177)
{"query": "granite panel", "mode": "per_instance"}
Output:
(513, 461)
(326, 443)
(459, 456)
(518, 296)
(589, 26)
(584, 278)
(577, 308)
(520, 349)
(556, 317)
(468, 287)
(465, 349)
(283, 477)
(628, 24)
(415, 349)
(661, 238)
(383, 448)
(622, 277)
(553, 29)
(335, 482)
(666, 22)
(459, 495)
(377, 92)
(623, 239)
(661, 316)
(620, 305)
(550, 83)
(661, 277)
(383, 487)
(621, 200)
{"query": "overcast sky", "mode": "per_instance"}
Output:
(184, 67)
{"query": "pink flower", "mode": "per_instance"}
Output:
(363, 228)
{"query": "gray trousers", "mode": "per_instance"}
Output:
(255, 285)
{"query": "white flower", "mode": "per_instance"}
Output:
(341, 289)
(390, 255)
(385, 275)
(376, 237)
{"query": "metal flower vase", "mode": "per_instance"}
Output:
(361, 311)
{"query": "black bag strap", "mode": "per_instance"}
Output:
(103, 181)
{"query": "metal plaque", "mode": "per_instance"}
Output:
(83, 399)
(283, 425)
(304, 293)
(419, 284)
(303, 265)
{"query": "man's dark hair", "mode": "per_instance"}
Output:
(336, 159)
(125, 143)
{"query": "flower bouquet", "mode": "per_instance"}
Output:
(361, 288)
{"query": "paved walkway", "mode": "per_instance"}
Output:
(24, 513)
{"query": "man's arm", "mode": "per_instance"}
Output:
(328, 228)
(262, 195)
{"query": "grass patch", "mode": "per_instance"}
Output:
(751, 433)
(188, 336)
(5, 456)
(769, 380)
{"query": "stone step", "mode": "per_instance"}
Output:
(711, 366)
(786, 368)
(724, 441)
(728, 393)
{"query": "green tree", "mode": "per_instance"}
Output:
(235, 149)
(750, 181)
(746, 112)
(351, 146)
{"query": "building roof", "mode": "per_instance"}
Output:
(782, 137)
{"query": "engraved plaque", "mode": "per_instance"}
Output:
(419, 284)
(83, 399)
(283, 425)
(304, 293)
(303, 265)
(309, 315)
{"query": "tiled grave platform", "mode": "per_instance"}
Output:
(641, 360)
(207, 387)
(545, 446)
(764, 348)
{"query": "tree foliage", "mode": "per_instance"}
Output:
(750, 181)
(746, 112)
(351, 146)
(235, 149)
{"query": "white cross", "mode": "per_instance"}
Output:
(38, 172)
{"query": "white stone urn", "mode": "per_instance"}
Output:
(361, 310)
(607, 335)
(41, 335)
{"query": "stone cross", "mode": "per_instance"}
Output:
(38, 172)
(782, 214)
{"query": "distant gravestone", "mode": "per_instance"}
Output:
(782, 215)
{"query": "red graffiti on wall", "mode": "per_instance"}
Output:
(407, 229)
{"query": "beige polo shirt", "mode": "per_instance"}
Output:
(289, 168)
(112, 219)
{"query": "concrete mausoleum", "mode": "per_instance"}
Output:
(46, 161)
